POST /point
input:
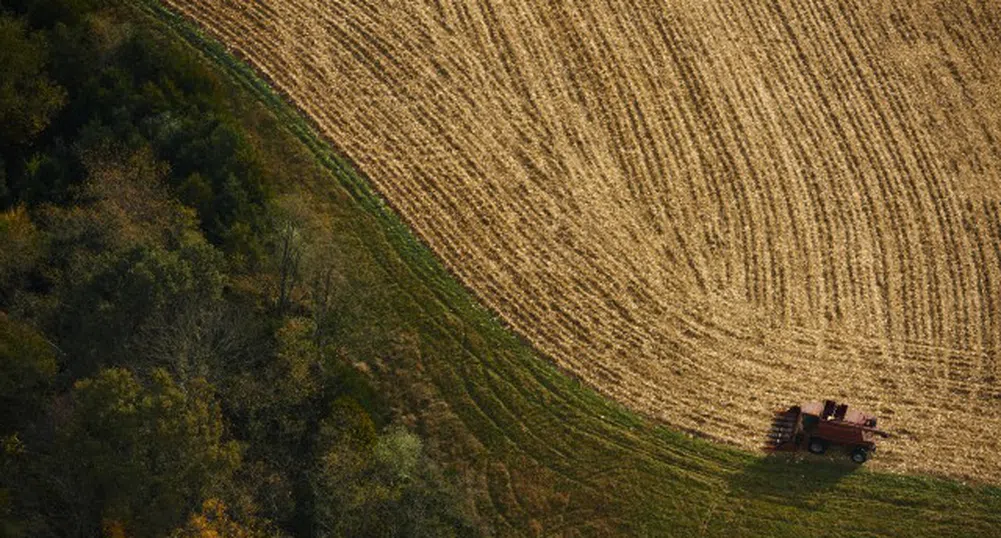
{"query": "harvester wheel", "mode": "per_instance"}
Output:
(859, 455)
(817, 446)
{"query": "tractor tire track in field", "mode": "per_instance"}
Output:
(706, 210)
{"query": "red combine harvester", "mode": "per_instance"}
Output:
(818, 425)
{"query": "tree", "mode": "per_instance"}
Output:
(45, 13)
(141, 454)
(22, 249)
(279, 397)
(28, 98)
(105, 309)
(27, 366)
(304, 251)
(219, 174)
(368, 485)
(127, 189)
(345, 444)
(213, 521)
(289, 257)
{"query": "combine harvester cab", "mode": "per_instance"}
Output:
(818, 425)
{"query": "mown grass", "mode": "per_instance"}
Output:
(537, 452)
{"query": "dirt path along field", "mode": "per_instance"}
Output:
(705, 209)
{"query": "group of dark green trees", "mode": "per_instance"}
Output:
(162, 370)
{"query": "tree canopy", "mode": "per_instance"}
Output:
(166, 369)
(28, 97)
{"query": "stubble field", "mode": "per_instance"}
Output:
(706, 210)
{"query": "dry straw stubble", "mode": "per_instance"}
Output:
(705, 209)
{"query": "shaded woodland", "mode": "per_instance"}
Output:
(179, 352)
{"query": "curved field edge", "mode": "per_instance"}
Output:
(541, 454)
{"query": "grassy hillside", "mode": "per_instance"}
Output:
(536, 452)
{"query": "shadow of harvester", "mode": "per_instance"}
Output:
(795, 477)
(791, 479)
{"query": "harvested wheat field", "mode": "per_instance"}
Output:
(704, 209)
